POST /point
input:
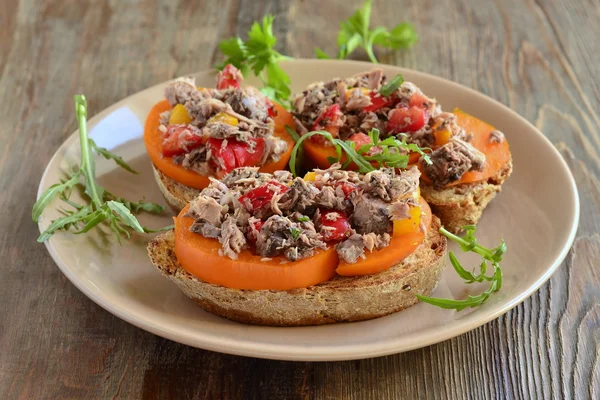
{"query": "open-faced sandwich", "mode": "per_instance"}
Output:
(198, 133)
(468, 159)
(332, 246)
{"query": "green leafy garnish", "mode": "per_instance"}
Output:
(355, 33)
(392, 85)
(295, 233)
(492, 256)
(303, 218)
(258, 54)
(391, 152)
(102, 206)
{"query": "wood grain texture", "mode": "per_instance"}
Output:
(540, 58)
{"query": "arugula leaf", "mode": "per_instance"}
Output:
(391, 151)
(259, 55)
(110, 156)
(355, 33)
(102, 205)
(50, 194)
(494, 256)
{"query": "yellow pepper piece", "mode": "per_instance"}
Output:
(364, 91)
(310, 177)
(408, 225)
(179, 115)
(442, 137)
(224, 118)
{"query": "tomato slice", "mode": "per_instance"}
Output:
(153, 139)
(401, 246)
(200, 257)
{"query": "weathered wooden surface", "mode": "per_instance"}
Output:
(539, 57)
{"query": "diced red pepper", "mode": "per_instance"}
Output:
(347, 188)
(407, 119)
(334, 225)
(328, 117)
(271, 109)
(222, 156)
(229, 78)
(261, 196)
(243, 156)
(418, 99)
(180, 139)
(235, 153)
(360, 139)
(377, 102)
(254, 229)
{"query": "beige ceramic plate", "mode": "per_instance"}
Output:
(537, 213)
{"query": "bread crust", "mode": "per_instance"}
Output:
(463, 204)
(176, 194)
(341, 299)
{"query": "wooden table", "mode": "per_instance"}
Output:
(540, 58)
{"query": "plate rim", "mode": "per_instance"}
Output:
(299, 352)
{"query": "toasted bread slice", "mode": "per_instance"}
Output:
(177, 195)
(463, 204)
(341, 299)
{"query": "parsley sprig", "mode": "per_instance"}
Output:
(391, 152)
(258, 54)
(492, 256)
(102, 206)
(355, 33)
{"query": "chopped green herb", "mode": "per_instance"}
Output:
(493, 256)
(303, 218)
(295, 233)
(392, 85)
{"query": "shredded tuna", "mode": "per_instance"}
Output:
(496, 136)
(351, 249)
(246, 105)
(232, 239)
(206, 209)
(452, 160)
(290, 221)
